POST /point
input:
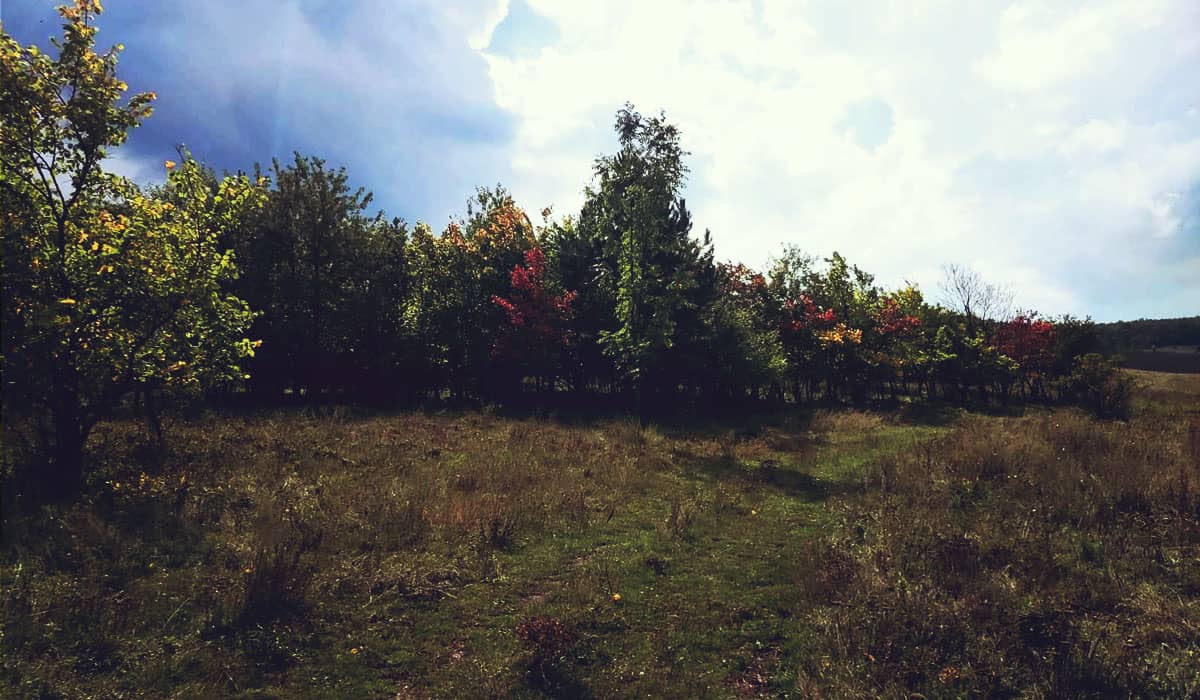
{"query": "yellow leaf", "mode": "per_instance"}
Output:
(170, 164)
(67, 301)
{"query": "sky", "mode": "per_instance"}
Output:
(1053, 147)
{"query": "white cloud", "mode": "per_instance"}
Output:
(1042, 45)
(1096, 136)
(1052, 145)
(1039, 142)
(481, 34)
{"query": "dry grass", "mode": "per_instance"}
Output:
(1051, 555)
(834, 554)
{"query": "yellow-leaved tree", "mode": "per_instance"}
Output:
(107, 288)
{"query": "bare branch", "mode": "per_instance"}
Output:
(965, 291)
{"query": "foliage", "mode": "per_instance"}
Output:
(327, 276)
(1029, 341)
(107, 289)
(537, 330)
(449, 311)
(657, 275)
(1148, 334)
(1099, 385)
(620, 304)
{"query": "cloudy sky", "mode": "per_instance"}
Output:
(1054, 147)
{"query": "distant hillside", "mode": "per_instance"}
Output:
(1149, 334)
(1162, 345)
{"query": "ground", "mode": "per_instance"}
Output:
(811, 553)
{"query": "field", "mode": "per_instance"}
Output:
(1181, 360)
(332, 553)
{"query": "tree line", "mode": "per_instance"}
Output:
(1149, 334)
(280, 282)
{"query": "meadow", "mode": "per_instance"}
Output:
(330, 552)
(262, 440)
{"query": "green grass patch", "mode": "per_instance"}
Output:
(338, 555)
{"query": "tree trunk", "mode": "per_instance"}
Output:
(63, 478)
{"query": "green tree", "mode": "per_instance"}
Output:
(449, 312)
(328, 278)
(106, 289)
(660, 277)
(745, 352)
(578, 262)
(1074, 337)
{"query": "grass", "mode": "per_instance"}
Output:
(337, 554)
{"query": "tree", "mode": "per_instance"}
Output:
(536, 329)
(105, 288)
(578, 262)
(964, 290)
(660, 278)
(823, 313)
(1074, 338)
(327, 277)
(1100, 386)
(1030, 342)
(448, 311)
(744, 348)
(894, 332)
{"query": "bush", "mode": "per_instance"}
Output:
(548, 642)
(1099, 386)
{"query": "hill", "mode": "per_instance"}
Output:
(1159, 345)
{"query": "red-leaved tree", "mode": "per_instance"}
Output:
(536, 330)
(892, 320)
(1029, 341)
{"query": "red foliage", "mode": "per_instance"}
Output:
(740, 280)
(803, 314)
(1028, 340)
(893, 321)
(536, 318)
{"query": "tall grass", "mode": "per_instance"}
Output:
(827, 553)
(1051, 555)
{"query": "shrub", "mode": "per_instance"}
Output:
(1098, 385)
(547, 642)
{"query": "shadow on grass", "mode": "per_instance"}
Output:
(687, 420)
(792, 482)
(555, 683)
(945, 413)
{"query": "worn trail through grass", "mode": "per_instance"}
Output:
(703, 554)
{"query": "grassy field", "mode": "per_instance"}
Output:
(1181, 361)
(843, 553)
